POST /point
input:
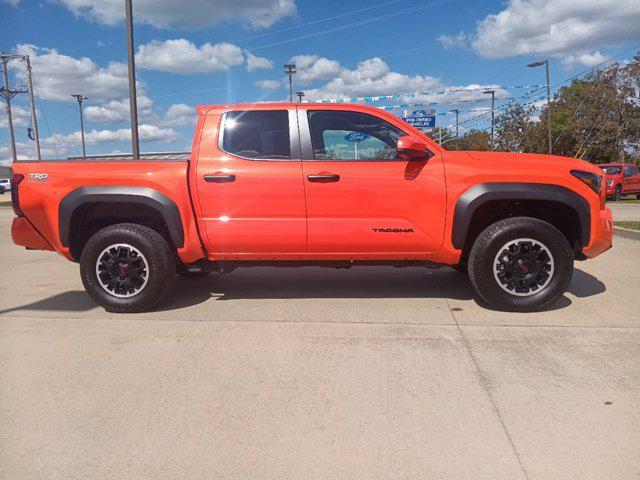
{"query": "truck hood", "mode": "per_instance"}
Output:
(533, 159)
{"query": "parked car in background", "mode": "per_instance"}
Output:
(5, 185)
(622, 179)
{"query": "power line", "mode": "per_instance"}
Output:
(353, 25)
(314, 22)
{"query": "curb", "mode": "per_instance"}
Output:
(626, 233)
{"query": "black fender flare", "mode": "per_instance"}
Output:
(113, 194)
(482, 193)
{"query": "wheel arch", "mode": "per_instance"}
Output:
(145, 198)
(519, 196)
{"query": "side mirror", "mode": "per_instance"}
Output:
(413, 148)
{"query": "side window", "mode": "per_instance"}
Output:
(627, 171)
(634, 170)
(260, 134)
(341, 135)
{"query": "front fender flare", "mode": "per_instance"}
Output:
(132, 195)
(482, 193)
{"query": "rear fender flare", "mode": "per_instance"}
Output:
(132, 195)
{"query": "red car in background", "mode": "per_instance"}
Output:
(622, 179)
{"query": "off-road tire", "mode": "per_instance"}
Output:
(617, 194)
(486, 248)
(158, 256)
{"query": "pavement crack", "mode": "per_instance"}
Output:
(483, 384)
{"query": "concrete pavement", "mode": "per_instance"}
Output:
(315, 373)
(625, 211)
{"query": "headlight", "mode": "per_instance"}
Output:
(610, 182)
(593, 181)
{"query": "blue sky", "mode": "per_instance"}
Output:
(219, 51)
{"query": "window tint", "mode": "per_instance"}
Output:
(634, 170)
(612, 170)
(627, 171)
(260, 134)
(339, 135)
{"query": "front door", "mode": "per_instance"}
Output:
(362, 199)
(249, 185)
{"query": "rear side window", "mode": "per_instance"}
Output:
(260, 134)
(343, 135)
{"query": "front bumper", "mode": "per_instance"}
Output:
(601, 233)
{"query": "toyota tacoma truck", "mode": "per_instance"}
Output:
(334, 185)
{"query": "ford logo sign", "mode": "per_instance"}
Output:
(355, 137)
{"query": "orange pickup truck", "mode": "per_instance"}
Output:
(335, 185)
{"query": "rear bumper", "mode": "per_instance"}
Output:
(24, 235)
(601, 233)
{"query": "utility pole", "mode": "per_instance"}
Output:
(493, 111)
(290, 69)
(80, 98)
(133, 103)
(545, 62)
(300, 95)
(8, 94)
(32, 106)
(456, 111)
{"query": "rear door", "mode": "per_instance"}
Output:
(249, 184)
(628, 180)
(363, 200)
(635, 178)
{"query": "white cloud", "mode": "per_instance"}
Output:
(192, 14)
(59, 145)
(268, 84)
(453, 41)
(258, 63)
(311, 68)
(57, 76)
(586, 59)
(371, 77)
(180, 114)
(116, 111)
(183, 57)
(20, 116)
(558, 28)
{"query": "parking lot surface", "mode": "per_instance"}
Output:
(318, 373)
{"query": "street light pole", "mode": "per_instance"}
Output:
(493, 111)
(545, 62)
(80, 98)
(133, 103)
(456, 112)
(300, 95)
(290, 69)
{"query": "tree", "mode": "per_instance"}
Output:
(596, 118)
(476, 140)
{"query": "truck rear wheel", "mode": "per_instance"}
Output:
(126, 268)
(520, 264)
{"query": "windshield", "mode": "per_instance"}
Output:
(614, 170)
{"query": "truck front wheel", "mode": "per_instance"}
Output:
(521, 264)
(126, 268)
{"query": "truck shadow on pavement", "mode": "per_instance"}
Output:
(363, 282)
(309, 283)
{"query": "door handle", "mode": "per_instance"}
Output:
(219, 178)
(324, 178)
